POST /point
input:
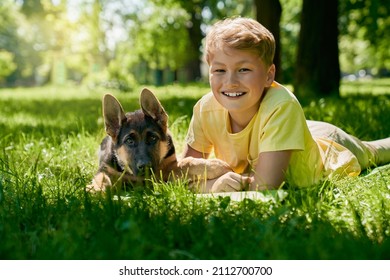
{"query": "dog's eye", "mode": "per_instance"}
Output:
(151, 138)
(130, 140)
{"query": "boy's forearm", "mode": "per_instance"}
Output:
(270, 171)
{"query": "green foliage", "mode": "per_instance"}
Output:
(124, 40)
(289, 29)
(364, 27)
(7, 64)
(48, 143)
(162, 38)
(10, 27)
(158, 41)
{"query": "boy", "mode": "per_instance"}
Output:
(258, 127)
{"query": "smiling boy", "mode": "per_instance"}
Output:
(257, 125)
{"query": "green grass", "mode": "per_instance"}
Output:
(365, 87)
(48, 143)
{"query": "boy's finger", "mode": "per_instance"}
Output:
(246, 182)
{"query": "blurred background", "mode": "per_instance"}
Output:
(124, 43)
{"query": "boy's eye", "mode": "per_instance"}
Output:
(244, 70)
(219, 70)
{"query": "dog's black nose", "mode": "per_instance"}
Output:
(143, 167)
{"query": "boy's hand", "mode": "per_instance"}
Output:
(231, 182)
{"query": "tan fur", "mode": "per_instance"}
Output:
(163, 149)
(123, 156)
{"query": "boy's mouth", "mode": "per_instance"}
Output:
(233, 94)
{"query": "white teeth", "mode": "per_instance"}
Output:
(233, 94)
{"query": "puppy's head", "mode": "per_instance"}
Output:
(141, 138)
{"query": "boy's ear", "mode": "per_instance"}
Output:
(270, 75)
(113, 115)
(152, 107)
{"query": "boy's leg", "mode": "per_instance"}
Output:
(381, 149)
(365, 153)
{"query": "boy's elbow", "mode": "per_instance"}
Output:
(191, 152)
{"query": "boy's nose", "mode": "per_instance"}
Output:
(232, 80)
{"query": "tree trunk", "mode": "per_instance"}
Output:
(158, 77)
(268, 13)
(317, 66)
(192, 68)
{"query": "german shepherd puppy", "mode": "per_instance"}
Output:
(139, 144)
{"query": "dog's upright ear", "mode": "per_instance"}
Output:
(113, 115)
(153, 108)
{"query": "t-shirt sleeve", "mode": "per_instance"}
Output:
(283, 128)
(196, 137)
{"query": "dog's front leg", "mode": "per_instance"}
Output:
(99, 183)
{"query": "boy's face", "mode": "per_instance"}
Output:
(238, 79)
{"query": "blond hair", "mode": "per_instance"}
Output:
(242, 34)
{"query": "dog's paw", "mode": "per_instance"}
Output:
(203, 168)
(99, 183)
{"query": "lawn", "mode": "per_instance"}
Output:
(48, 152)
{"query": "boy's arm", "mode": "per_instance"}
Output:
(269, 174)
(190, 152)
(270, 170)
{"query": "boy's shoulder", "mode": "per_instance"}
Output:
(278, 94)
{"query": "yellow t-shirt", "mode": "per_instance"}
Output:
(278, 125)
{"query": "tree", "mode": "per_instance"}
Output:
(15, 39)
(162, 40)
(289, 31)
(364, 42)
(268, 13)
(7, 65)
(47, 31)
(317, 70)
(96, 42)
(8, 41)
(193, 26)
(194, 9)
(202, 13)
